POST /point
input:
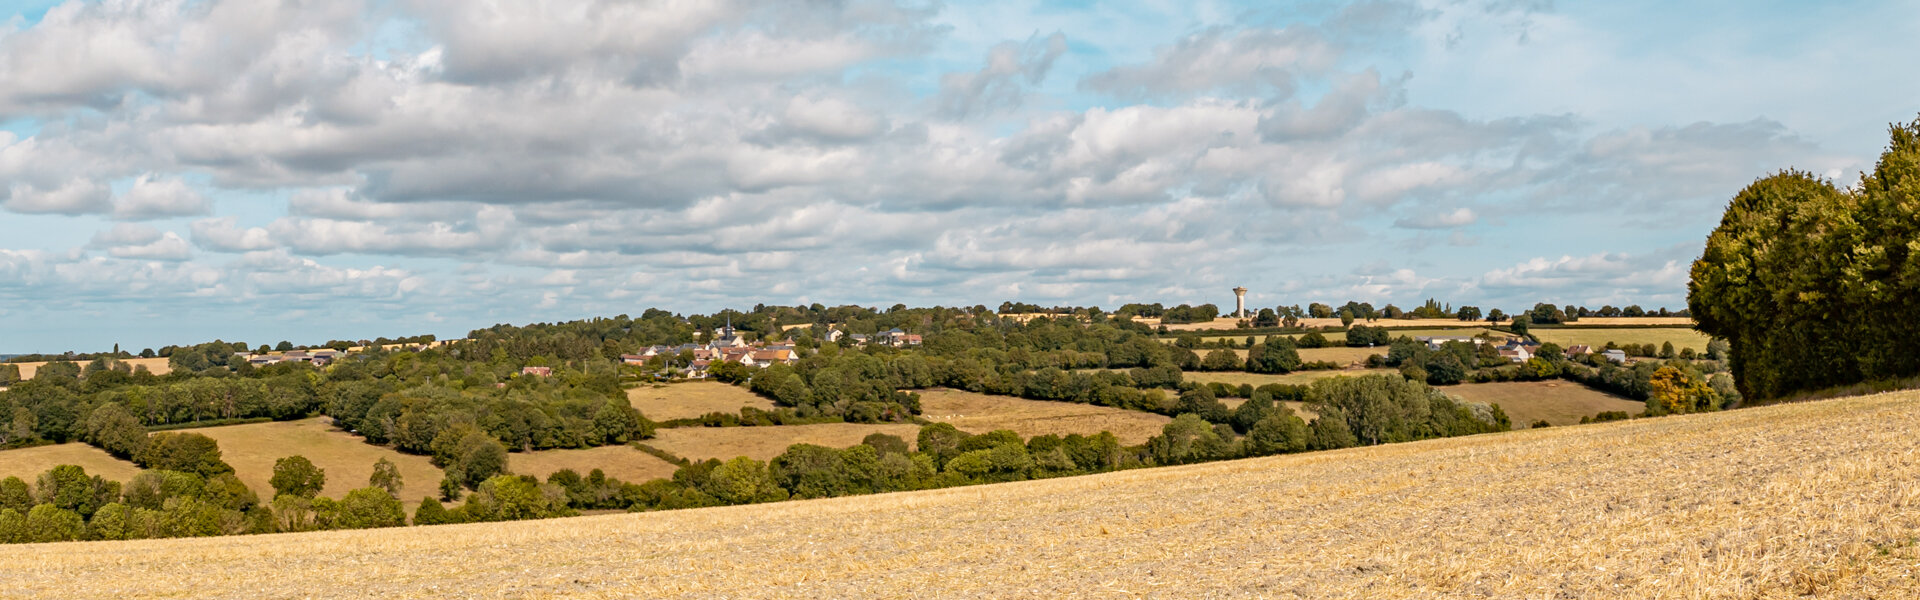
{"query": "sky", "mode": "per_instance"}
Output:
(179, 171)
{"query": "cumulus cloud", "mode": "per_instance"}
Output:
(1000, 85)
(75, 197)
(1258, 62)
(160, 198)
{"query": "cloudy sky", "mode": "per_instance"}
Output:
(177, 171)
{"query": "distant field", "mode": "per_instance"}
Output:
(622, 462)
(981, 413)
(1596, 337)
(1295, 378)
(764, 443)
(693, 399)
(348, 461)
(157, 366)
(1557, 402)
(1618, 321)
(1300, 409)
(1342, 355)
(29, 463)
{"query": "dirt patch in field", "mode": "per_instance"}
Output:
(693, 399)
(981, 413)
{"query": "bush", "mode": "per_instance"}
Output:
(184, 452)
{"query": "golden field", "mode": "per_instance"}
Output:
(1820, 498)
(158, 366)
(1294, 378)
(622, 462)
(29, 463)
(692, 399)
(1597, 336)
(348, 460)
(1557, 402)
(981, 413)
(764, 443)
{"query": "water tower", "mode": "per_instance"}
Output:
(1240, 303)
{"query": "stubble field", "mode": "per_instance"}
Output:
(158, 366)
(981, 413)
(348, 460)
(1557, 402)
(623, 462)
(693, 399)
(29, 463)
(764, 443)
(1599, 336)
(1820, 498)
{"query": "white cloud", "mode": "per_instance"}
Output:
(75, 197)
(159, 198)
(1460, 217)
(223, 235)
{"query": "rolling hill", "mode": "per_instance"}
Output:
(1815, 498)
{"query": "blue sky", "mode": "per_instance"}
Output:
(179, 171)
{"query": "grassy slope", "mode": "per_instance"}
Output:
(693, 399)
(1556, 401)
(29, 463)
(1765, 502)
(348, 460)
(981, 413)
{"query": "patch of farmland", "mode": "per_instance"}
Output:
(1597, 336)
(1294, 378)
(1341, 355)
(981, 413)
(764, 443)
(1556, 402)
(1788, 501)
(347, 459)
(157, 366)
(1619, 321)
(693, 399)
(622, 462)
(29, 463)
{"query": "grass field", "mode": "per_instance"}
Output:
(1812, 499)
(624, 462)
(29, 463)
(1597, 337)
(157, 366)
(348, 461)
(981, 413)
(1295, 378)
(1339, 355)
(692, 399)
(1557, 402)
(763, 443)
(1618, 321)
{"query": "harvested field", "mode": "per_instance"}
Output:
(1301, 409)
(1557, 402)
(1618, 321)
(1775, 502)
(764, 443)
(981, 413)
(157, 366)
(1597, 337)
(1294, 378)
(1340, 355)
(693, 399)
(29, 463)
(623, 462)
(348, 460)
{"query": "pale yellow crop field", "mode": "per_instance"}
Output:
(693, 399)
(764, 443)
(1817, 499)
(29, 463)
(1557, 402)
(1294, 378)
(623, 462)
(981, 413)
(157, 366)
(1597, 337)
(348, 460)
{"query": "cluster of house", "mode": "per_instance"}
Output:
(1520, 350)
(319, 358)
(891, 337)
(726, 346)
